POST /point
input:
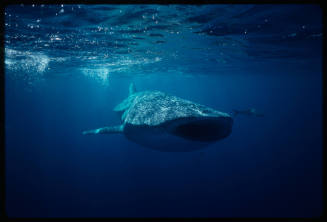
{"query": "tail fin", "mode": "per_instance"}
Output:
(132, 89)
(104, 130)
(248, 112)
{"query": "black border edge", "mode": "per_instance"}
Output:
(324, 110)
(191, 2)
(3, 214)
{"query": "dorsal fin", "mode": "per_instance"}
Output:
(128, 101)
(132, 89)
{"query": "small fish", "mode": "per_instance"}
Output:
(156, 35)
(158, 42)
(249, 112)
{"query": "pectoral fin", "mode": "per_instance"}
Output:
(105, 130)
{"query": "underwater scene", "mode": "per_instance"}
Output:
(163, 110)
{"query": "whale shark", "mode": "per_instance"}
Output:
(165, 122)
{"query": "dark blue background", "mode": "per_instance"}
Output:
(267, 167)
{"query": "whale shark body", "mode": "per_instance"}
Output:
(168, 123)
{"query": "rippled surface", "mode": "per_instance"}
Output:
(146, 39)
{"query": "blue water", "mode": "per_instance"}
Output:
(68, 66)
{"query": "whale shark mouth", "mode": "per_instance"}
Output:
(203, 129)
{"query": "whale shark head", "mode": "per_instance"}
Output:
(181, 135)
(205, 129)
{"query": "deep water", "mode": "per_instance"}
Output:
(68, 66)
